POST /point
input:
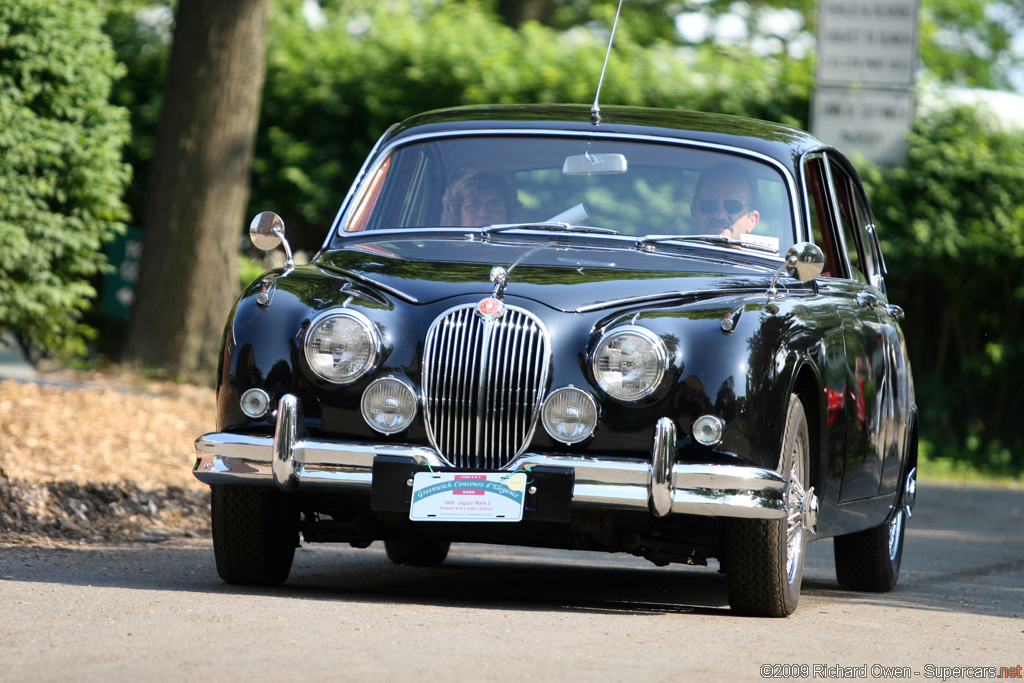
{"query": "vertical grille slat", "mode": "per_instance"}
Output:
(483, 383)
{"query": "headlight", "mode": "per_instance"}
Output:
(388, 405)
(630, 362)
(342, 347)
(569, 415)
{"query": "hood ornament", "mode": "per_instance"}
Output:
(499, 276)
(493, 307)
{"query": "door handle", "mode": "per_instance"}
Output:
(867, 300)
(895, 312)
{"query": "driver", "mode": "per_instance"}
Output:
(476, 198)
(724, 200)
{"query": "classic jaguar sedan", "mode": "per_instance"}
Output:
(661, 333)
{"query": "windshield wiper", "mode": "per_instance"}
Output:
(707, 239)
(551, 226)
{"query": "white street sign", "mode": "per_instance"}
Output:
(872, 43)
(873, 123)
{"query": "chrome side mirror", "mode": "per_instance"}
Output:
(266, 231)
(804, 261)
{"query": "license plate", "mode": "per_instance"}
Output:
(468, 497)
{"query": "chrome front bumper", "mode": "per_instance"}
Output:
(657, 485)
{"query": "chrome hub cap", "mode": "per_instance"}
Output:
(802, 511)
(895, 530)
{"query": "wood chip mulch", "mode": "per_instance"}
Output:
(101, 458)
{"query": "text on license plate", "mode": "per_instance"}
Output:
(468, 497)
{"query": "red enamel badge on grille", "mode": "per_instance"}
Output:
(490, 308)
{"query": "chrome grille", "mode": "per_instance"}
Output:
(483, 382)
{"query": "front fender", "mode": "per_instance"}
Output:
(745, 374)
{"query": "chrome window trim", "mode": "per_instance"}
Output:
(378, 154)
(357, 183)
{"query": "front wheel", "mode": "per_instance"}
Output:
(255, 532)
(765, 557)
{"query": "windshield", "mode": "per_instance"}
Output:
(632, 188)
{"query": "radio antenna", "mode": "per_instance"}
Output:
(595, 111)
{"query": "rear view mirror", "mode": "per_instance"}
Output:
(594, 164)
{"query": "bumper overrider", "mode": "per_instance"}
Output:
(659, 485)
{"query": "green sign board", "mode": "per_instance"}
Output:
(125, 254)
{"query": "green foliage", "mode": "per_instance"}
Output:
(952, 223)
(332, 91)
(960, 42)
(963, 42)
(649, 21)
(62, 177)
(140, 32)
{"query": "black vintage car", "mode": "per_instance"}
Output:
(662, 333)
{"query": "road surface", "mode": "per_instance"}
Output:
(158, 612)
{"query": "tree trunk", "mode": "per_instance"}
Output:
(199, 185)
(515, 13)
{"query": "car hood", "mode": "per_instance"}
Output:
(563, 275)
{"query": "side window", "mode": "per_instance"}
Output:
(848, 222)
(819, 217)
(364, 210)
(874, 269)
(856, 223)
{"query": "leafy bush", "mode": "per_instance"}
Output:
(62, 178)
(952, 220)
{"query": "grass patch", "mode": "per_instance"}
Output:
(947, 469)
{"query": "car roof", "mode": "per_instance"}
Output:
(782, 143)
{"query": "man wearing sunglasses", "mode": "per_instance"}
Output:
(724, 200)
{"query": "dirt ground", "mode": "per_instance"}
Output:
(101, 457)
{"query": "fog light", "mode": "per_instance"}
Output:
(255, 403)
(388, 405)
(569, 415)
(707, 430)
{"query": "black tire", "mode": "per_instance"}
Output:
(870, 560)
(417, 552)
(255, 533)
(765, 557)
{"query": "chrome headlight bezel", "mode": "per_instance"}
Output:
(655, 371)
(363, 325)
(586, 401)
(400, 385)
(707, 430)
(255, 403)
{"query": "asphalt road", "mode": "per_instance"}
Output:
(158, 612)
